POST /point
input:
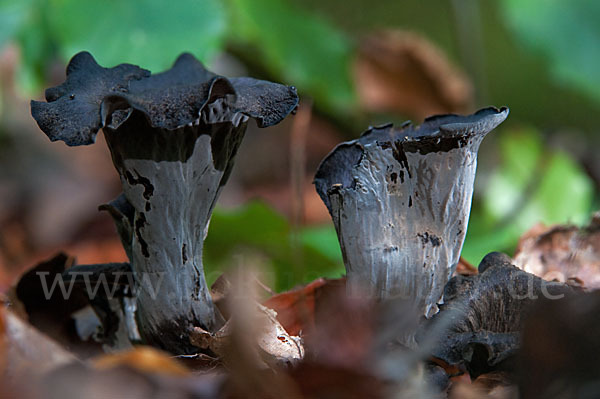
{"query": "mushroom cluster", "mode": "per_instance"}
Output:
(173, 137)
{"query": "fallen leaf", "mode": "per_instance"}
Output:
(219, 292)
(327, 381)
(274, 344)
(28, 351)
(344, 333)
(404, 73)
(494, 382)
(487, 386)
(126, 377)
(296, 308)
(464, 268)
(3, 347)
(145, 359)
(562, 253)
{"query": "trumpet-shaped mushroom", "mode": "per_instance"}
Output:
(400, 202)
(173, 137)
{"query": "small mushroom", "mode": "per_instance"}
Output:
(481, 320)
(173, 137)
(400, 202)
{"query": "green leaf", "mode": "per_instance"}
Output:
(482, 240)
(533, 184)
(324, 240)
(520, 153)
(297, 47)
(257, 235)
(149, 33)
(13, 14)
(37, 48)
(567, 31)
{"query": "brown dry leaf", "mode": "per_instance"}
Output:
(296, 308)
(145, 359)
(402, 72)
(14, 246)
(3, 347)
(476, 390)
(28, 351)
(344, 330)
(275, 340)
(324, 381)
(340, 344)
(219, 292)
(563, 253)
(453, 370)
(5, 277)
(464, 268)
(127, 378)
(497, 385)
(275, 345)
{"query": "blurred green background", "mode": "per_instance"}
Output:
(538, 57)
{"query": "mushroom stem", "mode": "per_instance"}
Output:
(400, 202)
(173, 201)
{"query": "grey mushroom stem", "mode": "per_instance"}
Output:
(173, 137)
(172, 201)
(400, 201)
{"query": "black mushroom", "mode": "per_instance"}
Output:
(479, 325)
(559, 353)
(400, 201)
(173, 137)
